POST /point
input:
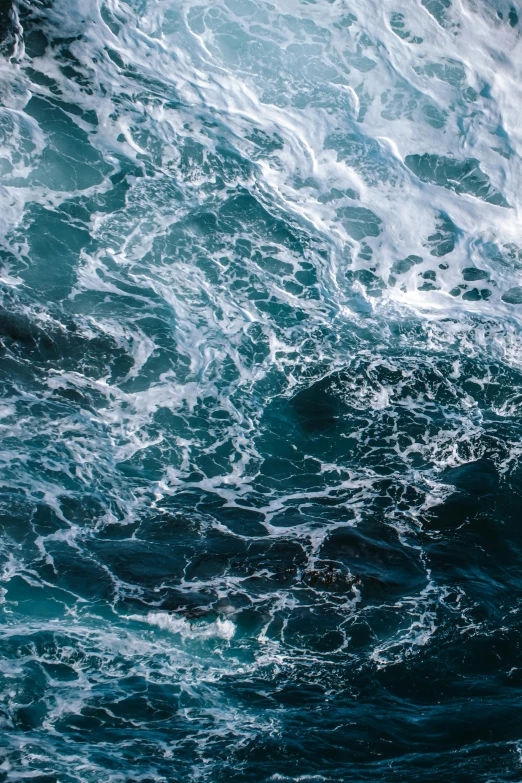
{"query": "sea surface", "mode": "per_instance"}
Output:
(261, 391)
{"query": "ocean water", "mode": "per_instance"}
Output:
(261, 391)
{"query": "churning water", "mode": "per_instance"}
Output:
(261, 411)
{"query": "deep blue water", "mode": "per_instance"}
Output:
(261, 391)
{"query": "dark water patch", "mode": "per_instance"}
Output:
(472, 273)
(437, 8)
(382, 565)
(461, 176)
(398, 25)
(443, 241)
(476, 478)
(475, 295)
(513, 295)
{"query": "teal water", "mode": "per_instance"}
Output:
(260, 334)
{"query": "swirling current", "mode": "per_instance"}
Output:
(261, 391)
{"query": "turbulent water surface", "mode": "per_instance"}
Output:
(261, 372)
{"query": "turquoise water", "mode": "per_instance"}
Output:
(260, 334)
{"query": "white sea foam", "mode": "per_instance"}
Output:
(219, 629)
